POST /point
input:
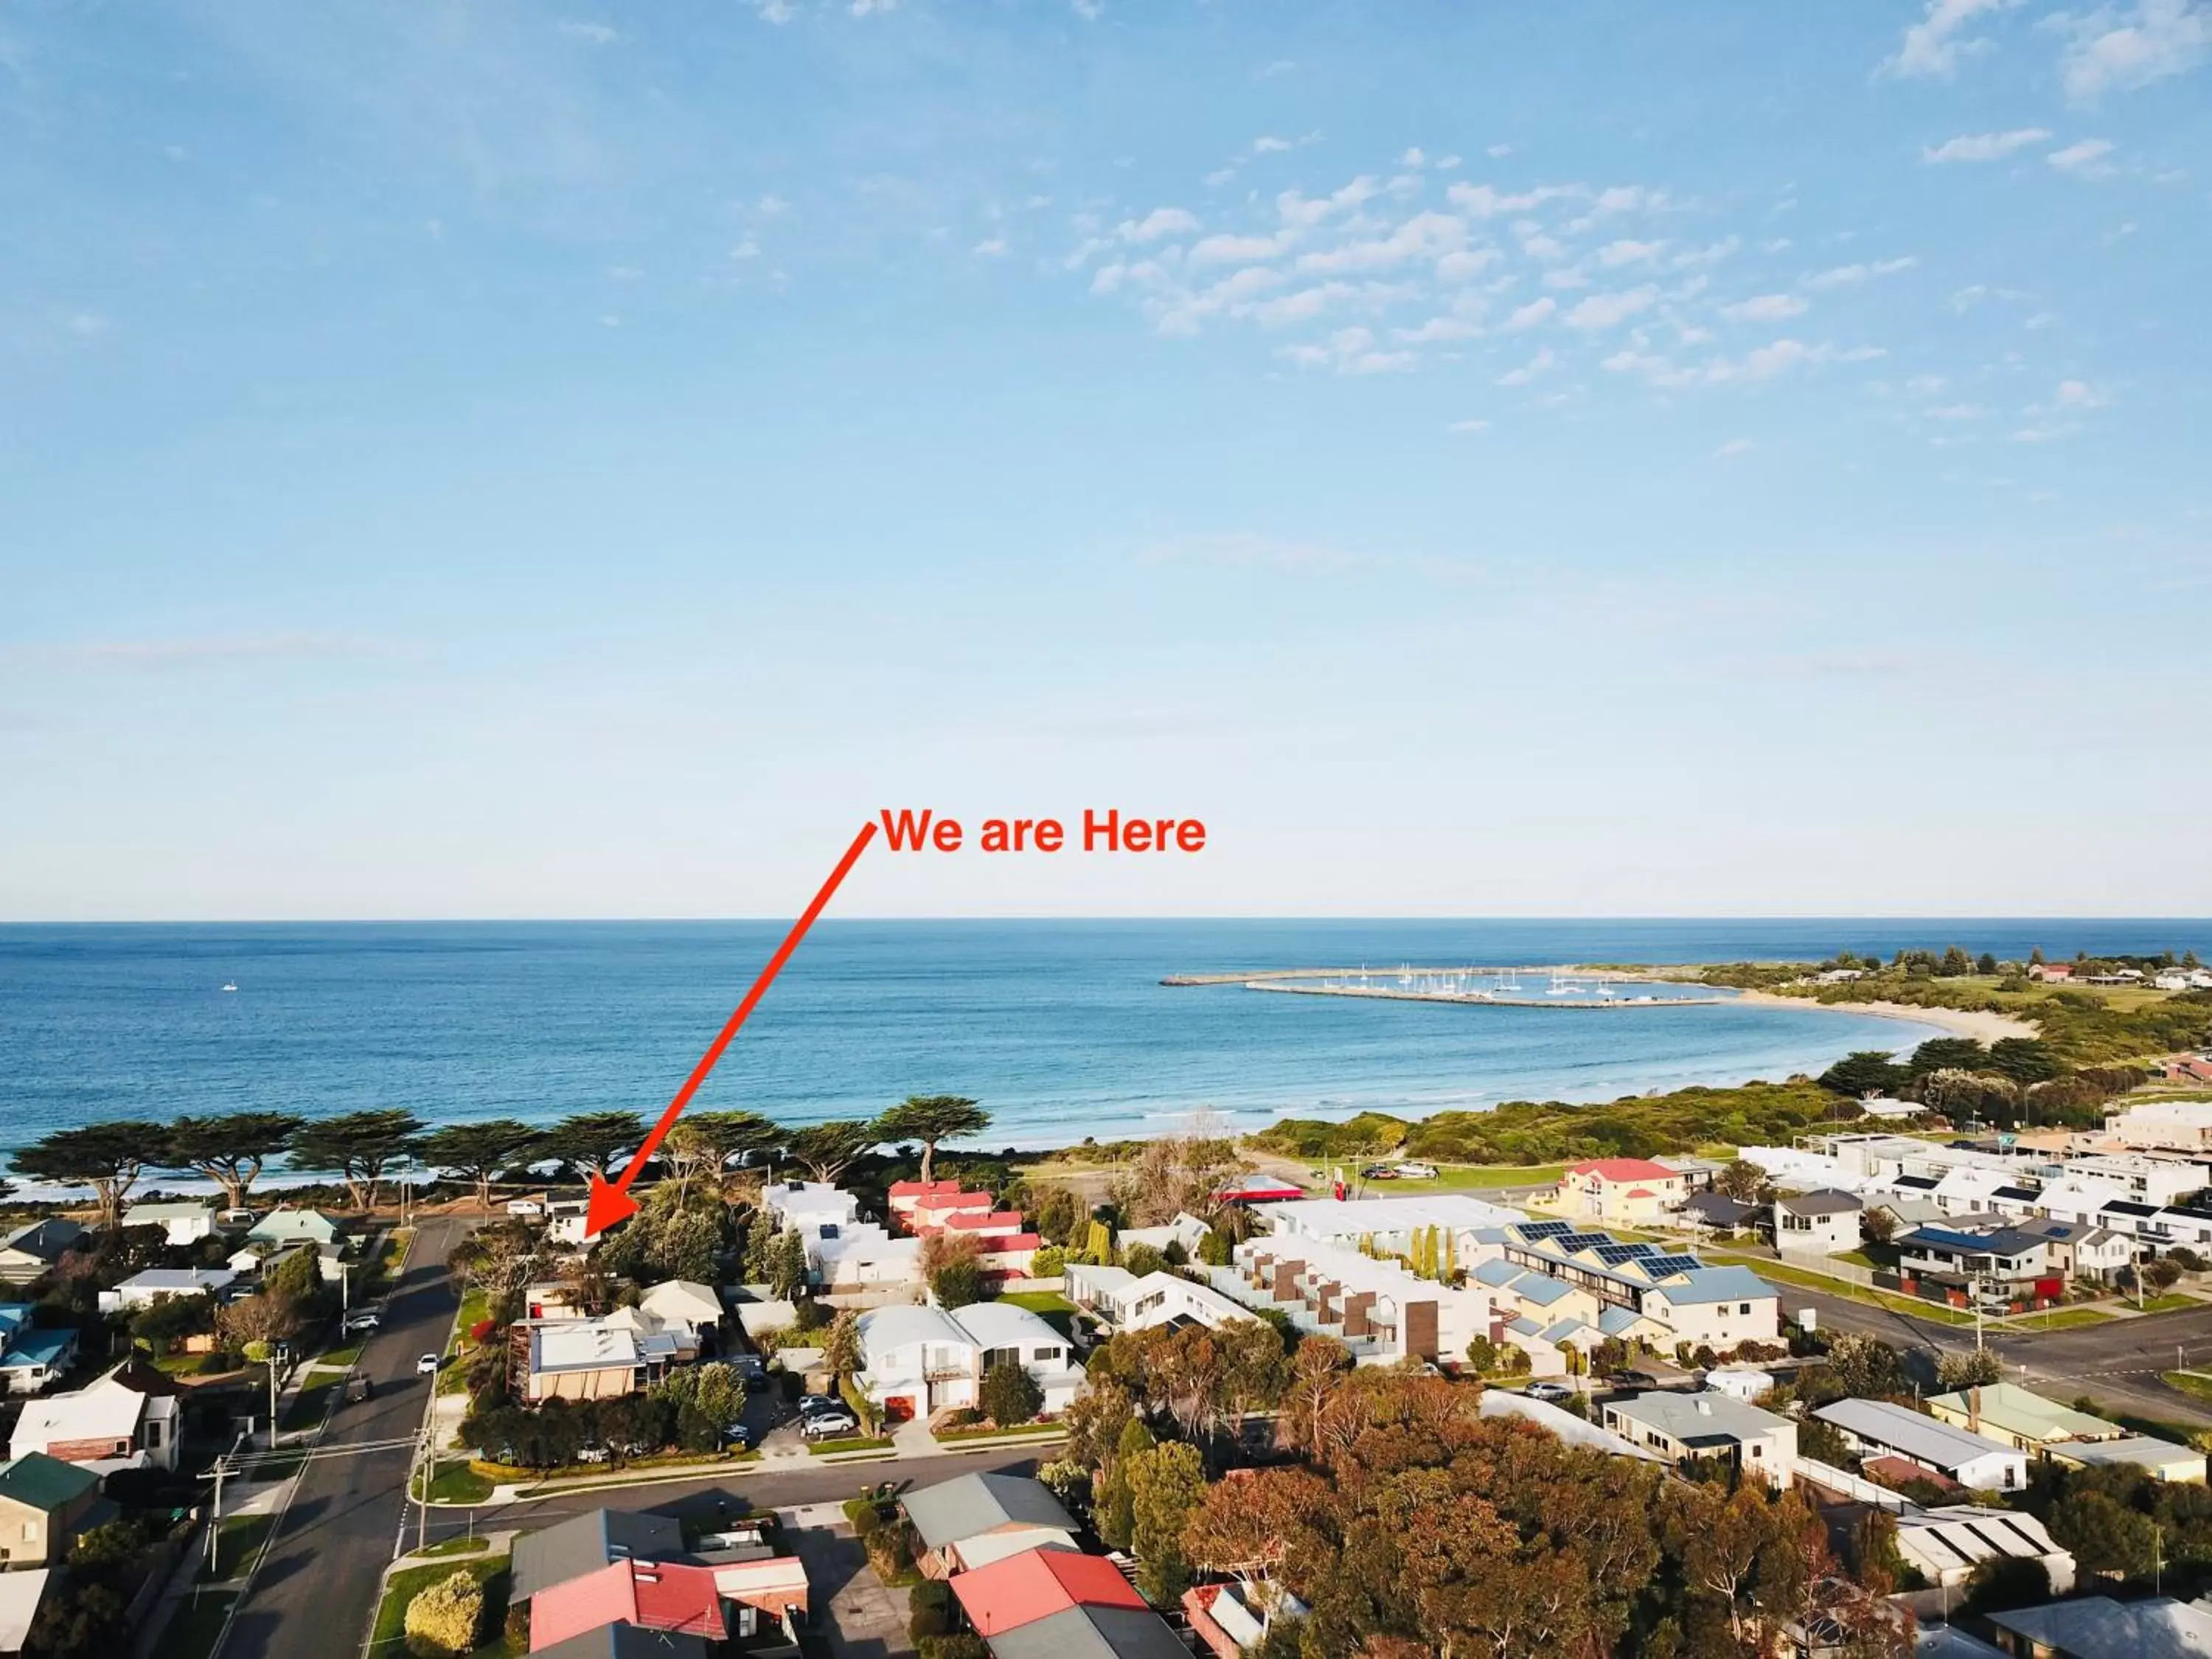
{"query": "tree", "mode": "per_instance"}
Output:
(108, 1158)
(1946, 1054)
(231, 1150)
(703, 1143)
(1010, 1395)
(786, 1278)
(828, 1150)
(1246, 1524)
(1215, 1250)
(1870, 1072)
(1740, 1180)
(591, 1141)
(2162, 1274)
(2024, 1059)
(478, 1151)
(2105, 1536)
(842, 1354)
(1985, 964)
(930, 1119)
(1955, 964)
(950, 1268)
(1481, 1355)
(1164, 1486)
(1142, 1259)
(1970, 1368)
(357, 1147)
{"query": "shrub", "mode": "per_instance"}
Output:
(442, 1620)
(952, 1647)
(1050, 1262)
(1142, 1259)
(481, 1330)
(517, 1634)
(929, 1609)
(889, 1554)
(1216, 1249)
(1010, 1395)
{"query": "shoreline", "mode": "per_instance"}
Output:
(1977, 1022)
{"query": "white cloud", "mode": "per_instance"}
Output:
(1413, 158)
(1452, 326)
(991, 247)
(1955, 412)
(1732, 448)
(1088, 11)
(871, 7)
(592, 34)
(1224, 249)
(1485, 202)
(748, 249)
(1626, 198)
(1446, 163)
(775, 11)
(1852, 276)
(1626, 252)
(1529, 370)
(1934, 46)
(2114, 50)
(1267, 144)
(1303, 305)
(2085, 160)
(1468, 428)
(1534, 312)
(1984, 146)
(1465, 264)
(1350, 351)
(1498, 152)
(1424, 236)
(1542, 247)
(1764, 308)
(1160, 222)
(1610, 310)
(1565, 277)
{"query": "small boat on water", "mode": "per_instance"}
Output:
(230, 985)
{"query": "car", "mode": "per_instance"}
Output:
(738, 1435)
(525, 1207)
(818, 1425)
(427, 1365)
(810, 1403)
(1550, 1393)
(1378, 1172)
(362, 1319)
(1418, 1171)
(591, 1452)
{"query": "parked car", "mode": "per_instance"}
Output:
(1633, 1380)
(427, 1365)
(1418, 1171)
(1378, 1172)
(810, 1403)
(528, 1207)
(593, 1452)
(1550, 1393)
(357, 1387)
(362, 1319)
(738, 1435)
(822, 1425)
(750, 1369)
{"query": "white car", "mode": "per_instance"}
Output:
(427, 1365)
(525, 1206)
(1418, 1171)
(362, 1319)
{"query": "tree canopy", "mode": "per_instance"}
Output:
(930, 1119)
(594, 1140)
(230, 1150)
(478, 1151)
(358, 1148)
(828, 1150)
(108, 1158)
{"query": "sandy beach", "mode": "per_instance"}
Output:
(1961, 1022)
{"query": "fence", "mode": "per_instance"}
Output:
(1844, 1484)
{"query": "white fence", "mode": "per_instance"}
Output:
(1844, 1484)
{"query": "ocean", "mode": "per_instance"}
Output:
(1061, 1028)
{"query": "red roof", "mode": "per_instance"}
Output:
(967, 1220)
(1011, 1243)
(1626, 1169)
(1037, 1584)
(667, 1596)
(948, 1196)
(922, 1188)
(1259, 1191)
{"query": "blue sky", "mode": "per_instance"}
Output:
(1588, 459)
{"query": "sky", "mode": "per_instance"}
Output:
(567, 459)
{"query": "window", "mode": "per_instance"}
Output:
(1744, 1308)
(1002, 1357)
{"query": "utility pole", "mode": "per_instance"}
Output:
(215, 1520)
(422, 1499)
(272, 1400)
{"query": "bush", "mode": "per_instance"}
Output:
(1010, 1395)
(481, 1330)
(442, 1620)
(952, 1647)
(1142, 1259)
(958, 1283)
(889, 1554)
(929, 1609)
(1050, 1262)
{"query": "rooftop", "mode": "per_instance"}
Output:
(1690, 1418)
(2098, 1627)
(45, 1483)
(970, 1505)
(1923, 1439)
(2013, 1409)
(1037, 1584)
(1624, 1168)
(585, 1543)
(1092, 1633)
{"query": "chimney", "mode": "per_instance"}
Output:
(1704, 1407)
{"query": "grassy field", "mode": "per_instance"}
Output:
(851, 1443)
(2168, 1303)
(1459, 1178)
(1934, 1312)
(241, 1536)
(456, 1483)
(455, 1546)
(389, 1637)
(2191, 1383)
(2063, 1319)
(348, 1356)
(1055, 1310)
(191, 1634)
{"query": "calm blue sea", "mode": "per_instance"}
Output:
(1060, 1028)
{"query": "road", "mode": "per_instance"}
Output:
(2117, 1362)
(317, 1586)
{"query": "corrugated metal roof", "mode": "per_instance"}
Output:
(1037, 1584)
(1923, 1439)
(1092, 1633)
(970, 1505)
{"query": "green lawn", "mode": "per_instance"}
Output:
(475, 1307)
(389, 1637)
(1464, 1178)
(2191, 1383)
(2168, 1303)
(191, 1633)
(456, 1483)
(1025, 1430)
(349, 1356)
(240, 1537)
(2063, 1319)
(305, 1409)
(1043, 1301)
(457, 1546)
(851, 1443)
(1933, 1311)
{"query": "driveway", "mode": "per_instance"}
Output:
(860, 1619)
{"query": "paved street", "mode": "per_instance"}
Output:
(317, 1589)
(2118, 1361)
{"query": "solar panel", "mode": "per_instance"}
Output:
(1545, 1229)
(1584, 1240)
(1666, 1267)
(1613, 1254)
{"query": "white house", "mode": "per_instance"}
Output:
(1389, 1224)
(564, 1221)
(1127, 1302)
(1186, 1230)
(111, 1424)
(143, 1290)
(186, 1221)
(1380, 1311)
(850, 1255)
(1823, 1222)
(1876, 1428)
(1715, 1307)
(916, 1361)
(1947, 1544)
(1711, 1424)
(685, 1302)
(807, 1204)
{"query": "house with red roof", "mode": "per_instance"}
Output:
(1621, 1190)
(664, 1595)
(1056, 1604)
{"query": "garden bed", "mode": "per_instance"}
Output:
(849, 1443)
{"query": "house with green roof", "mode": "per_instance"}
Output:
(2011, 1415)
(43, 1504)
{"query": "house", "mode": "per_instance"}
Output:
(1721, 1213)
(299, 1226)
(1711, 1424)
(1185, 1231)
(585, 1543)
(1020, 1589)
(32, 1248)
(1388, 1226)
(919, 1360)
(1233, 1618)
(44, 1504)
(32, 1359)
(20, 1595)
(143, 1290)
(1122, 1301)
(688, 1304)
(1947, 1544)
(1380, 1309)
(1092, 1633)
(1716, 1308)
(2191, 1071)
(973, 1519)
(2098, 1627)
(1823, 1222)
(627, 1642)
(2081, 1250)
(851, 1256)
(579, 1359)
(1621, 1190)
(2161, 1460)
(2010, 1414)
(2181, 1126)
(120, 1421)
(2004, 1259)
(1745, 1383)
(564, 1222)
(186, 1221)
(1878, 1429)
(655, 1595)
(2050, 970)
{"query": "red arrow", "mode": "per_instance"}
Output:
(610, 1201)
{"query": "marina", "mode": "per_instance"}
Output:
(1510, 987)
